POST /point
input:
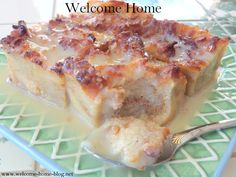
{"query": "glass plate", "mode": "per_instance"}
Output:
(50, 143)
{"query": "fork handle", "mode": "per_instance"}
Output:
(197, 131)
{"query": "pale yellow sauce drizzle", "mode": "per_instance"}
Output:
(180, 122)
(79, 126)
(189, 108)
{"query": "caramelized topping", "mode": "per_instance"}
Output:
(34, 57)
(20, 29)
(118, 39)
(130, 43)
(31, 54)
(17, 36)
(169, 49)
(195, 64)
(58, 68)
(37, 61)
(103, 47)
(84, 72)
(172, 70)
(213, 43)
(57, 23)
(69, 42)
(91, 37)
(189, 41)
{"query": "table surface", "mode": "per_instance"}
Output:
(34, 11)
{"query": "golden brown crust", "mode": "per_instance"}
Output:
(16, 38)
(109, 65)
(94, 78)
(85, 73)
(128, 36)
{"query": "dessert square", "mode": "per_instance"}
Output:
(67, 61)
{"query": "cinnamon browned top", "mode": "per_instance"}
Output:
(17, 36)
(84, 72)
(81, 43)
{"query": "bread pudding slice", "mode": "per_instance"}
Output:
(98, 74)
(138, 89)
(41, 57)
(194, 50)
(37, 80)
(127, 71)
(133, 142)
(108, 64)
(29, 55)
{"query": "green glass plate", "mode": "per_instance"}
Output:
(200, 157)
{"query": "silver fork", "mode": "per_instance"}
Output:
(175, 141)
